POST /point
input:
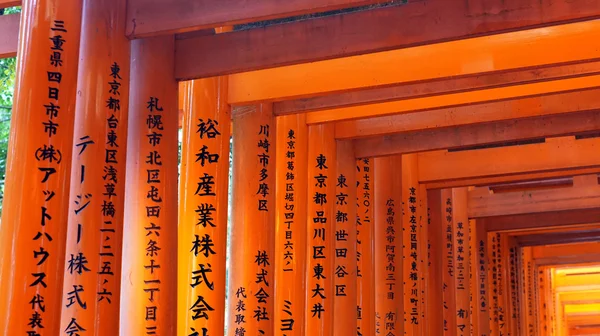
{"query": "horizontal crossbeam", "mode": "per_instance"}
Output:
(416, 23)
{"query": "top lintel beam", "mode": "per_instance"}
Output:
(416, 23)
(159, 17)
(9, 3)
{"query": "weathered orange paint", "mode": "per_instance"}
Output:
(34, 218)
(320, 225)
(504, 323)
(559, 44)
(202, 242)
(365, 233)
(388, 246)
(149, 284)
(96, 232)
(482, 279)
(449, 266)
(492, 238)
(345, 265)
(252, 223)
(436, 235)
(291, 234)
(412, 241)
(461, 260)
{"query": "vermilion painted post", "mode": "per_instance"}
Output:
(320, 225)
(202, 237)
(252, 258)
(365, 233)
(291, 233)
(35, 209)
(91, 292)
(149, 281)
(345, 265)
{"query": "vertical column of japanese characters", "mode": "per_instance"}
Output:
(413, 260)
(448, 275)
(391, 316)
(51, 157)
(263, 264)
(462, 308)
(365, 309)
(287, 324)
(203, 246)
(152, 282)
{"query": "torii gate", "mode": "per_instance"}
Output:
(358, 141)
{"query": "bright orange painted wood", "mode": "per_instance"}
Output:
(473, 264)
(345, 292)
(556, 103)
(494, 299)
(10, 3)
(482, 279)
(149, 287)
(460, 230)
(412, 242)
(95, 232)
(465, 136)
(449, 266)
(424, 253)
(437, 87)
(504, 321)
(159, 17)
(388, 247)
(453, 100)
(321, 230)
(291, 234)
(202, 236)
(513, 312)
(558, 44)
(436, 241)
(526, 293)
(558, 154)
(9, 26)
(35, 209)
(365, 236)
(412, 24)
(253, 219)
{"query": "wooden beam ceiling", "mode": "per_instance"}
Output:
(479, 134)
(567, 254)
(502, 52)
(459, 99)
(579, 236)
(558, 103)
(158, 17)
(9, 35)
(537, 221)
(416, 23)
(437, 87)
(483, 203)
(557, 154)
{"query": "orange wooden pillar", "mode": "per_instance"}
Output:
(501, 271)
(482, 279)
(412, 241)
(388, 246)
(461, 260)
(365, 236)
(436, 242)
(290, 246)
(202, 237)
(35, 210)
(252, 243)
(321, 218)
(148, 287)
(424, 255)
(541, 303)
(513, 286)
(493, 282)
(345, 268)
(448, 265)
(525, 293)
(91, 291)
(473, 263)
